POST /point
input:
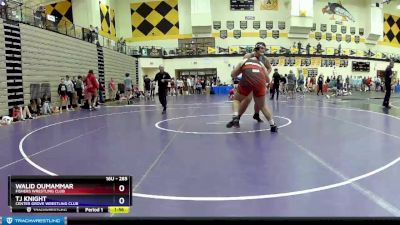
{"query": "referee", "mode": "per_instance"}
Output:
(388, 84)
(162, 78)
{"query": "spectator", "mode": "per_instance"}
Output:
(300, 82)
(91, 90)
(378, 83)
(111, 90)
(70, 89)
(40, 16)
(34, 107)
(101, 92)
(153, 89)
(308, 48)
(319, 49)
(298, 48)
(62, 92)
(79, 89)
(96, 34)
(46, 108)
(147, 86)
(291, 84)
(21, 113)
(320, 83)
(276, 77)
(128, 88)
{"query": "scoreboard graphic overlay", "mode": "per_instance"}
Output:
(75, 194)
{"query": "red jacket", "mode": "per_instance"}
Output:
(91, 82)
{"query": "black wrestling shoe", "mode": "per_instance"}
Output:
(274, 128)
(256, 116)
(233, 123)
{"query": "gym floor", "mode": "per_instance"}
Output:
(330, 157)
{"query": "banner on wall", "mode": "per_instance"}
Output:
(256, 25)
(339, 37)
(305, 62)
(275, 34)
(237, 34)
(281, 61)
(314, 27)
(316, 61)
(269, 25)
(348, 38)
(346, 51)
(360, 53)
(337, 62)
(223, 34)
(230, 25)
(274, 61)
(243, 24)
(343, 29)
(305, 71)
(323, 28)
(269, 5)
(333, 28)
(217, 25)
(281, 25)
(318, 35)
(357, 39)
(378, 55)
(263, 34)
(352, 30)
(293, 50)
(328, 36)
(298, 61)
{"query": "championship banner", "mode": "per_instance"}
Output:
(298, 61)
(237, 34)
(330, 51)
(223, 34)
(305, 71)
(256, 25)
(275, 34)
(230, 25)
(243, 25)
(316, 61)
(282, 61)
(263, 34)
(343, 29)
(217, 25)
(337, 62)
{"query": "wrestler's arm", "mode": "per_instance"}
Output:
(268, 66)
(237, 70)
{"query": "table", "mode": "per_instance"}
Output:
(222, 90)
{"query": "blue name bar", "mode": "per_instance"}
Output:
(25, 220)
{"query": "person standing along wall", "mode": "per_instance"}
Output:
(388, 84)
